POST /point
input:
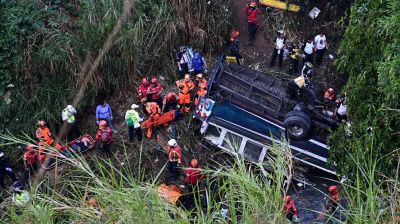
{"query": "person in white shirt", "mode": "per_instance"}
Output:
(341, 110)
(308, 50)
(320, 45)
(279, 46)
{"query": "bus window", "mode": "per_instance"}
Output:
(232, 142)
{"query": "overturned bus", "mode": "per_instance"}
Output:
(254, 110)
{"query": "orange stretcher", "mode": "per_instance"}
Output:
(280, 5)
(154, 122)
(170, 193)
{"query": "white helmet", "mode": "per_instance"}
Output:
(70, 108)
(172, 143)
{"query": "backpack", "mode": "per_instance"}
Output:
(197, 62)
(105, 136)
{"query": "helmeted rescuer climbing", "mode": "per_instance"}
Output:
(185, 87)
(30, 160)
(174, 158)
(68, 116)
(234, 46)
(193, 173)
(329, 97)
(252, 13)
(142, 92)
(291, 212)
(199, 63)
(104, 137)
(202, 85)
(333, 200)
(5, 169)
(133, 120)
(170, 102)
(154, 91)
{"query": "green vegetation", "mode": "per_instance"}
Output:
(369, 55)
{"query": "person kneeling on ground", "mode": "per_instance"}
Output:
(104, 137)
(133, 120)
(193, 174)
(174, 158)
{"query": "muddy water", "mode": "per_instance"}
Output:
(310, 198)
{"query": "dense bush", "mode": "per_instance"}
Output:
(369, 55)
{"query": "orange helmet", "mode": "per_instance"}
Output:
(154, 80)
(288, 199)
(330, 90)
(332, 189)
(252, 4)
(194, 163)
(30, 147)
(41, 123)
(102, 124)
(145, 82)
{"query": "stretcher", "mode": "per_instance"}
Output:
(170, 193)
(71, 149)
(163, 119)
(280, 5)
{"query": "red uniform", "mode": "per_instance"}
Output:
(104, 135)
(153, 91)
(170, 98)
(251, 14)
(30, 158)
(329, 96)
(142, 91)
(290, 209)
(193, 175)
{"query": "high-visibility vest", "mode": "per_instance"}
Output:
(67, 116)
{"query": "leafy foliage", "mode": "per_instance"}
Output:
(369, 54)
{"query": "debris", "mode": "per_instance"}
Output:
(314, 13)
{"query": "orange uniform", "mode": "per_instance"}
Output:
(185, 87)
(201, 89)
(44, 135)
(153, 109)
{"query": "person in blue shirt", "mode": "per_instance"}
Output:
(104, 112)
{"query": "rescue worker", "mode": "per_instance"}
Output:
(30, 160)
(279, 46)
(252, 22)
(5, 168)
(291, 212)
(193, 174)
(20, 196)
(182, 60)
(154, 91)
(42, 155)
(133, 120)
(202, 85)
(308, 50)
(341, 110)
(104, 137)
(185, 87)
(170, 102)
(153, 110)
(333, 200)
(234, 46)
(329, 98)
(104, 112)
(320, 46)
(294, 56)
(199, 64)
(174, 158)
(68, 116)
(43, 133)
(142, 93)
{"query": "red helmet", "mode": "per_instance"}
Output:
(102, 124)
(330, 90)
(194, 163)
(252, 4)
(145, 82)
(332, 189)
(154, 81)
(30, 147)
(287, 199)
